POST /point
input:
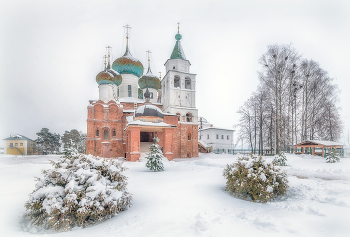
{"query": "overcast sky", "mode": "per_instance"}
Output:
(51, 52)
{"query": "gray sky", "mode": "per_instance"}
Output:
(51, 52)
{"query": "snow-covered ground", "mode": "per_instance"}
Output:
(188, 199)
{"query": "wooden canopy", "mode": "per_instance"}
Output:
(317, 147)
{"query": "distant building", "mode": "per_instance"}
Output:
(214, 139)
(318, 148)
(19, 145)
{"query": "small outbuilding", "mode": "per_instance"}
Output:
(19, 145)
(318, 148)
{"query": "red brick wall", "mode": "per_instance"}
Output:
(110, 116)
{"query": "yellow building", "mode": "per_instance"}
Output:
(19, 145)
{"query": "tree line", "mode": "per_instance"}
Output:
(295, 101)
(49, 143)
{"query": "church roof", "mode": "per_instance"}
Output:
(178, 51)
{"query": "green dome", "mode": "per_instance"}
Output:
(149, 80)
(178, 37)
(108, 76)
(127, 64)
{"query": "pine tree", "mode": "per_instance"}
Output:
(333, 157)
(155, 157)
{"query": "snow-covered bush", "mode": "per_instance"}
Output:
(252, 178)
(155, 157)
(333, 157)
(280, 160)
(80, 190)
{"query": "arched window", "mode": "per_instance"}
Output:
(187, 83)
(105, 134)
(118, 92)
(188, 117)
(97, 133)
(189, 136)
(176, 81)
(114, 133)
(179, 117)
(151, 95)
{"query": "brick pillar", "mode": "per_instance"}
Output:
(133, 144)
(168, 141)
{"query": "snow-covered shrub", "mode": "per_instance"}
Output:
(333, 157)
(80, 190)
(252, 178)
(155, 157)
(280, 160)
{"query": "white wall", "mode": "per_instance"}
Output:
(217, 143)
(129, 79)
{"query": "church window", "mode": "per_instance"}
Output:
(129, 90)
(189, 136)
(188, 83)
(177, 82)
(228, 137)
(114, 134)
(118, 92)
(222, 136)
(217, 136)
(208, 136)
(151, 95)
(173, 67)
(97, 133)
(188, 117)
(105, 134)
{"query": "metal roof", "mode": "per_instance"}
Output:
(18, 137)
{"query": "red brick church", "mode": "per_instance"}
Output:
(133, 107)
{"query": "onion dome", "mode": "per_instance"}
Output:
(127, 64)
(149, 80)
(108, 76)
(148, 110)
(117, 77)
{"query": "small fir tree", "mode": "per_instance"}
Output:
(333, 157)
(280, 160)
(155, 157)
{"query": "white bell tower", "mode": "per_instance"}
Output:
(179, 86)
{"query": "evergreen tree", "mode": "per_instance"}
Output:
(155, 157)
(333, 157)
(280, 160)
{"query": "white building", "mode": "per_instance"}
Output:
(219, 139)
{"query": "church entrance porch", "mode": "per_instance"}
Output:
(140, 138)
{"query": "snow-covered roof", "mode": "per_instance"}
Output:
(151, 124)
(325, 143)
(130, 100)
(228, 129)
(18, 137)
(129, 111)
(203, 143)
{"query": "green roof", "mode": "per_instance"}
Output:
(178, 51)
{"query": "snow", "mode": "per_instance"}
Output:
(188, 199)
(326, 143)
(130, 100)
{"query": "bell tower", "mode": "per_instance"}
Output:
(179, 85)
